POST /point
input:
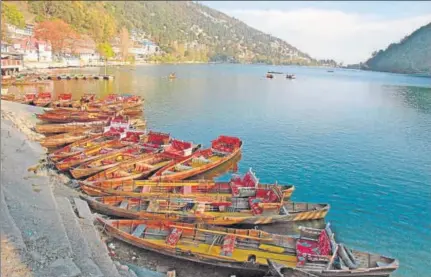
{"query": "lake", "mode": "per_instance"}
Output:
(360, 141)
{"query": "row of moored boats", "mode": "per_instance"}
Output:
(142, 179)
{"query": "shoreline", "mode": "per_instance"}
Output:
(20, 120)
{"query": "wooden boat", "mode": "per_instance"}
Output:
(72, 117)
(222, 149)
(64, 100)
(98, 151)
(140, 167)
(42, 99)
(274, 72)
(237, 187)
(28, 98)
(279, 270)
(201, 190)
(88, 98)
(62, 139)
(29, 83)
(94, 126)
(81, 145)
(125, 101)
(152, 143)
(107, 161)
(315, 251)
(102, 110)
(117, 122)
(269, 76)
(235, 211)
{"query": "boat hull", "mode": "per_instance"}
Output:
(195, 171)
(202, 259)
(220, 220)
(50, 142)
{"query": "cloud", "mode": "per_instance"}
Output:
(332, 34)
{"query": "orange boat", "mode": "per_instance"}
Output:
(73, 116)
(152, 143)
(98, 151)
(222, 150)
(81, 145)
(28, 98)
(65, 100)
(137, 168)
(62, 139)
(142, 166)
(43, 99)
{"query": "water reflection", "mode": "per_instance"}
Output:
(225, 169)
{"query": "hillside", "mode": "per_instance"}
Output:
(179, 27)
(412, 55)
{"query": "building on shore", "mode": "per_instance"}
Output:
(11, 63)
(33, 50)
(15, 32)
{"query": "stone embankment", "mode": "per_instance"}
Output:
(41, 235)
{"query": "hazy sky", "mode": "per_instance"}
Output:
(345, 31)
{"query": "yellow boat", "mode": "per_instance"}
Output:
(314, 250)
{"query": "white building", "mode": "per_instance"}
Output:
(16, 32)
(33, 50)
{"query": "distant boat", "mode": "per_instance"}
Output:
(330, 71)
(269, 76)
(274, 72)
(172, 76)
(290, 76)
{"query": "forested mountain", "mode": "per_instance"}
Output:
(412, 55)
(177, 26)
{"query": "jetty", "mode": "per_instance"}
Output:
(75, 77)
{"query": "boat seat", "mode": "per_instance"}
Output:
(139, 230)
(124, 204)
(181, 167)
(381, 264)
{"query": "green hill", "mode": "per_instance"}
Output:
(179, 27)
(411, 56)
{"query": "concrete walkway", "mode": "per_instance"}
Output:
(40, 232)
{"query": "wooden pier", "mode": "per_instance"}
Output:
(76, 77)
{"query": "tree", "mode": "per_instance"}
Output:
(58, 33)
(12, 15)
(124, 43)
(105, 50)
(102, 25)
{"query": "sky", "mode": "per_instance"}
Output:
(345, 31)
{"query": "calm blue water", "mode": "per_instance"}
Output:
(360, 141)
